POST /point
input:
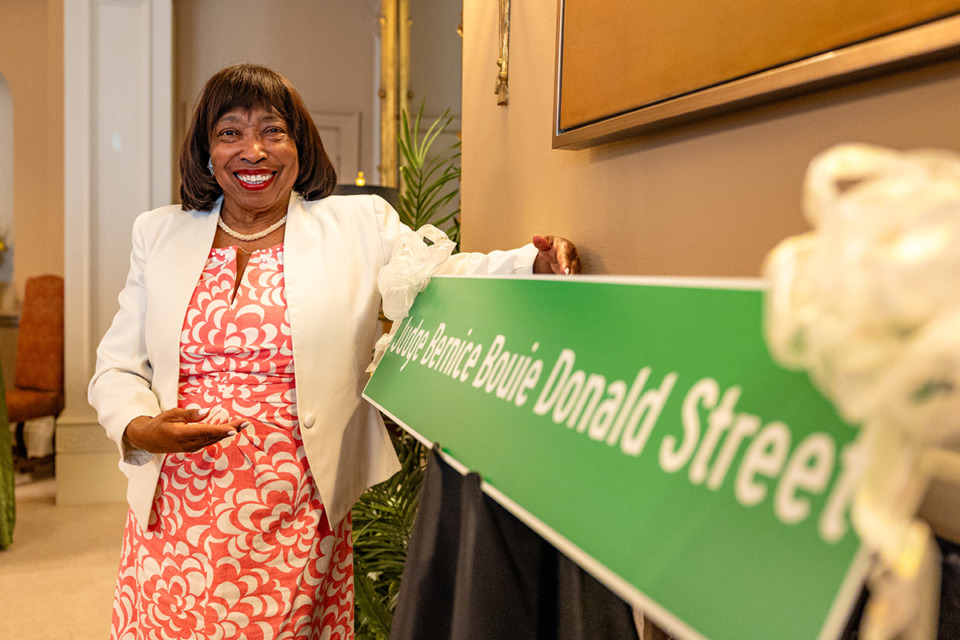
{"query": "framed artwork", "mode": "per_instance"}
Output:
(629, 66)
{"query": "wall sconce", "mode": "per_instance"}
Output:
(360, 186)
(502, 63)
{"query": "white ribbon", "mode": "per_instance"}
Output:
(868, 303)
(406, 274)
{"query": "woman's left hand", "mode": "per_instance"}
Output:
(557, 255)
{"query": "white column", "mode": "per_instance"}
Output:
(117, 145)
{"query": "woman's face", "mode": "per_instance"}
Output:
(254, 160)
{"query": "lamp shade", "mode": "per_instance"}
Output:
(390, 194)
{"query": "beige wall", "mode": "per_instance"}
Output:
(31, 61)
(710, 198)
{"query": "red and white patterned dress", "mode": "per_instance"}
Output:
(238, 545)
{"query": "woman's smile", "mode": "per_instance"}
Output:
(255, 161)
(255, 180)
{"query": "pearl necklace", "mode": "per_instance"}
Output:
(247, 237)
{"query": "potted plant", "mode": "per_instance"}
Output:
(383, 517)
(429, 179)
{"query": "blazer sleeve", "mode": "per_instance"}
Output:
(120, 389)
(515, 261)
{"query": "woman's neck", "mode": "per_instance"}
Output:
(247, 221)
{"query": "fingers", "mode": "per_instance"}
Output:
(193, 436)
(202, 436)
(557, 255)
(183, 415)
(217, 418)
(181, 430)
(568, 258)
(546, 261)
(543, 243)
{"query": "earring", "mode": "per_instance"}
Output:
(210, 165)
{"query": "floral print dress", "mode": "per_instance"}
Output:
(238, 545)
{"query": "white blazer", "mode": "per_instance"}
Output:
(333, 251)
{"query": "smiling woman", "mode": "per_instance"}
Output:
(239, 91)
(254, 160)
(251, 142)
(231, 376)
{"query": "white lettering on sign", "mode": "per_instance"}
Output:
(587, 402)
(719, 446)
(509, 374)
(766, 459)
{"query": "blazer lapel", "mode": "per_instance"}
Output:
(304, 269)
(182, 254)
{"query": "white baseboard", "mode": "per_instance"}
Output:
(87, 470)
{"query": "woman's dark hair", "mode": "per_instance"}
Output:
(249, 86)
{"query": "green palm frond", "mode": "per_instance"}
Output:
(374, 623)
(382, 523)
(429, 179)
(383, 517)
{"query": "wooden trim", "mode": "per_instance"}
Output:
(939, 39)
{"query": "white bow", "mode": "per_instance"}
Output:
(868, 303)
(407, 274)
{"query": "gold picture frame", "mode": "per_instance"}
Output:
(624, 68)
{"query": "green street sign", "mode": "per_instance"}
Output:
(642, 428)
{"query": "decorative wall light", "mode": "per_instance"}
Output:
(503, 61)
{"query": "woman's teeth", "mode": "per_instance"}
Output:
(254, 179)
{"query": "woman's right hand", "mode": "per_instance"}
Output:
(177, 430)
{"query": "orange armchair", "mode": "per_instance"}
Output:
(38, 370)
